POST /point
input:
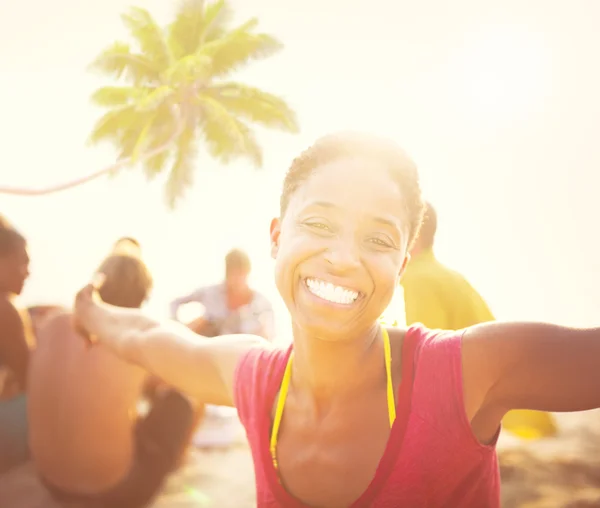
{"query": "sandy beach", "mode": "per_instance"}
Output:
(563, 472)
(553, 473)
(217, 478)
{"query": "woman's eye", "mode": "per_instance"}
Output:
(380, 242)
(318, 225)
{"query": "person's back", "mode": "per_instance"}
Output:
(81, 399)
(435, 295)
(440, 297)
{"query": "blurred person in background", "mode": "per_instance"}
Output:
(88, 443)
(40, 313)
(231, 306)
(434, 294)
(17, 339)
(441, 298)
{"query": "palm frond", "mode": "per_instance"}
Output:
(113, 96)
(197, 22)
(149, 36)
(139, 130)
(255, 105)
(156, 165)
(188, 69)
(226, 136)
(112, 123)
(142, 139)
(154, 99)
(164, 128)
(118, 60)
(182, 171)
(126, 141)
(217, 17)
(238, 47)
(184, 32)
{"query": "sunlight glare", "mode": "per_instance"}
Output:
(500, 73)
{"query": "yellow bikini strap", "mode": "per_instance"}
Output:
(283, 391)
(391, 399)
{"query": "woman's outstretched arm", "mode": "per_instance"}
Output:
(531, 366)
(201, 367)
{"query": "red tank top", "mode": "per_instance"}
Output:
(432, 459)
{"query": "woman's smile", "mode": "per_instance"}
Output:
(331, 292)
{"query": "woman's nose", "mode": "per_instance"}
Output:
(343, 255)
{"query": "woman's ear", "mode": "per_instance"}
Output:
(275, 231)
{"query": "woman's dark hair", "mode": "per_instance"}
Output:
(10, 238)
(336, 146)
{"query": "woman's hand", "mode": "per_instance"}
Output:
(84, 300)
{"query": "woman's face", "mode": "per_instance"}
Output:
(341, 248)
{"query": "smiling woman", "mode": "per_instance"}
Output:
(354, 414)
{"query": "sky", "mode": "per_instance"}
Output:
(497, 102)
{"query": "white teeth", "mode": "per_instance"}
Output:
(331, 293)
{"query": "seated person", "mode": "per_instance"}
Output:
(16, 339)
(87, 443)
(232, 306)
(38, 314)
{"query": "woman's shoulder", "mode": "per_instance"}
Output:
(257, 378)
(432, 337)
(262, 360)
(418, 332)
(425, 344)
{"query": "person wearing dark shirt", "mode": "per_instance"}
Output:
(16, 341)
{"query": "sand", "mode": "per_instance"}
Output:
(563, 472)
(217, 478)
(211, 479)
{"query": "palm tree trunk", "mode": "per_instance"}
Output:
(120, 164)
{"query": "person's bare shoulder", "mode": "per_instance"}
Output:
(11, 321)
(16, 339)
(58, 325)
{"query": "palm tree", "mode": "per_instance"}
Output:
(175, 92)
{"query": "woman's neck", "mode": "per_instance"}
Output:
(330, 370)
